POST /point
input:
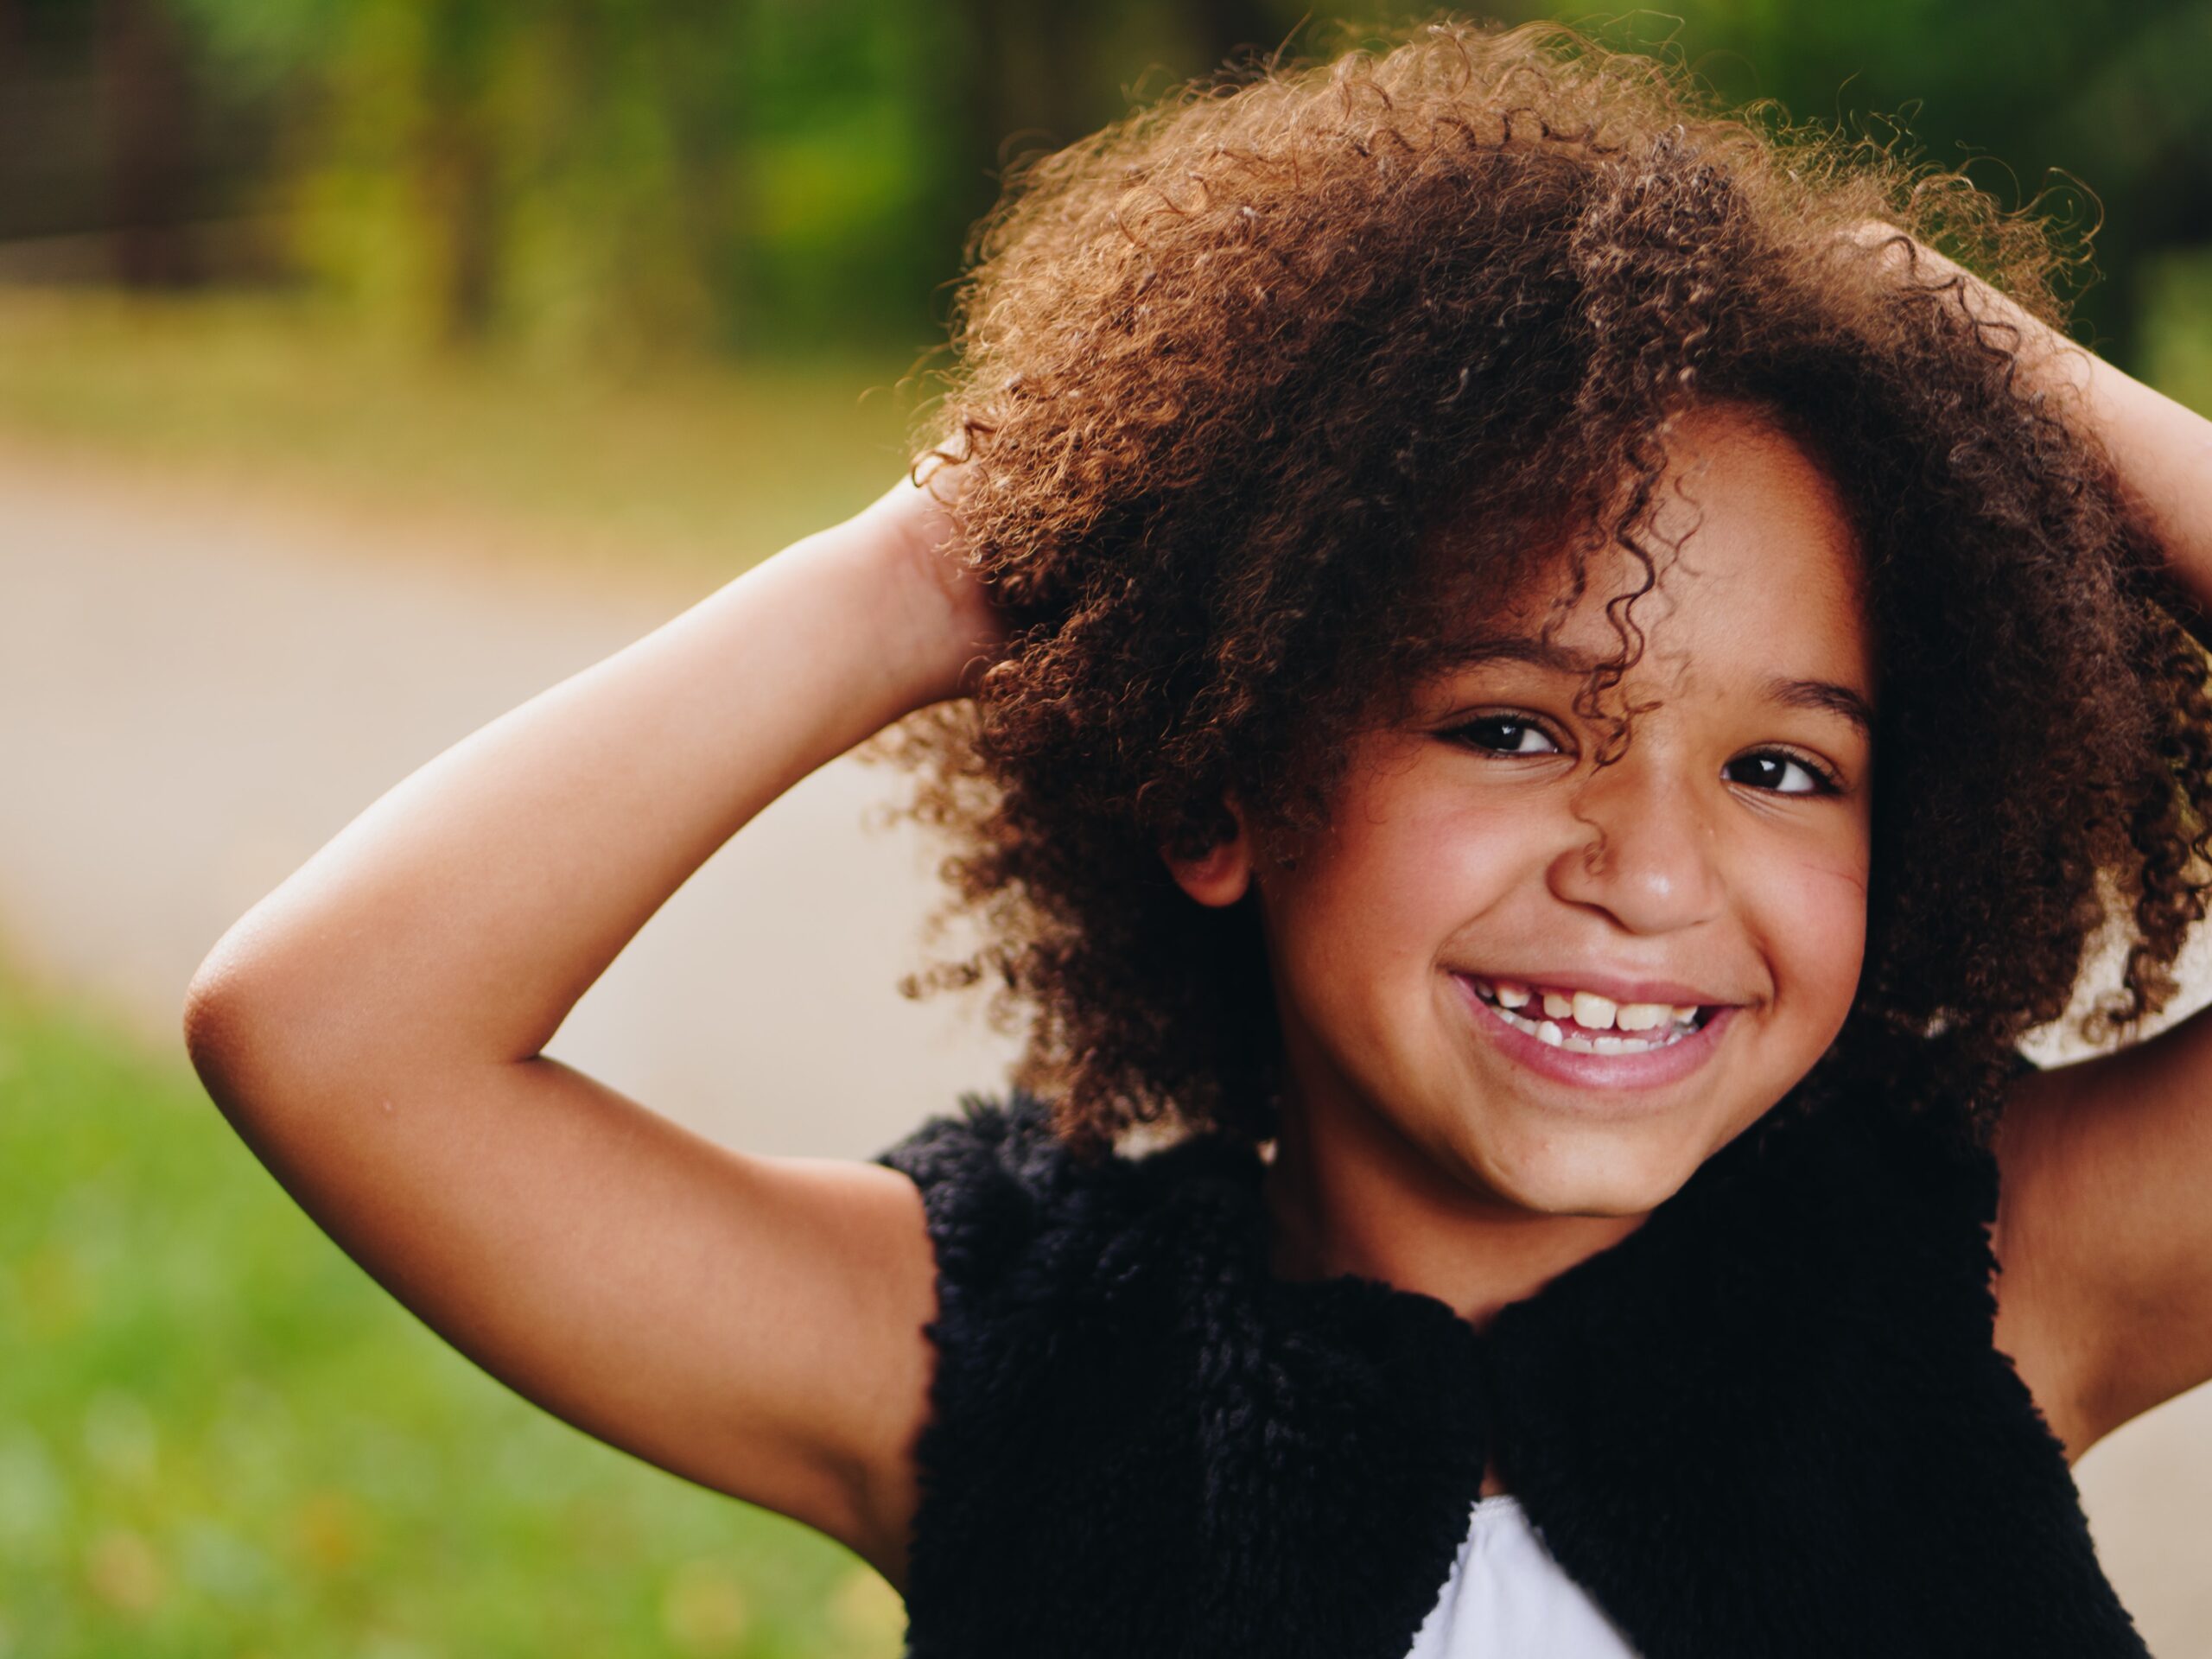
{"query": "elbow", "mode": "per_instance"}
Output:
(225, 1036)
(214, 1037)
(264, 1037)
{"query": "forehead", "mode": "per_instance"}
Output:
(1758, 570)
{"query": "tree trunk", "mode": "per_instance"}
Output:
(146, 85)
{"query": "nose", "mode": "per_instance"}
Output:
(1643, 851)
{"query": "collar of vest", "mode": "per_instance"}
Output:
(1770, 1421)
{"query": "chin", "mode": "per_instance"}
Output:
(1591, 1175)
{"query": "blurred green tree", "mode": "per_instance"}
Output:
(611, 176)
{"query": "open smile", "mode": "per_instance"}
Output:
(1581, 1037)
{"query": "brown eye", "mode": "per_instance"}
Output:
(1780, 773)
(1506, 734)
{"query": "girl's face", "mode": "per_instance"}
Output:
(1478, 859)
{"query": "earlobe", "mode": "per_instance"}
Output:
(1221, 877)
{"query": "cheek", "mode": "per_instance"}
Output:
(1818, 924)
(1365, 922)
(1407, 884)
(1414, 842)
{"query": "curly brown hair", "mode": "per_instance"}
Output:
(1263, 385)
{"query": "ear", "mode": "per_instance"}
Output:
(1221, 876)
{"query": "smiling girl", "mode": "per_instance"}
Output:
(1537, 691)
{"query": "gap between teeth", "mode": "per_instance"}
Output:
(1548, 1032)
(1592, 1012)
(1589, 1010)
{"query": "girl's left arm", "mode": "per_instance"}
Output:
(2104, 1232)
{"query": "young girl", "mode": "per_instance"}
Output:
(1538, 692)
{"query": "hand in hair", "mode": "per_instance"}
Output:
(2161, 452)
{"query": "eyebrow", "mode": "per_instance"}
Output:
(1827, 695)
(1822, 694)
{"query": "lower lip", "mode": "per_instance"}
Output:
(1651, 1069)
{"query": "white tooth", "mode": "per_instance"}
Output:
(1593, 1012)
(1510, 995)
(1642, 1016)
(1560, 1007)
(1550, 1033)
(1686, 1013)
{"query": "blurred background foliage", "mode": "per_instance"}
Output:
(661, 281)
(646, 277)
(601, 179)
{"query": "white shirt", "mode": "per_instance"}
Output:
(1506, 1596)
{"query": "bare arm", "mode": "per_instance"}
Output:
(372, 1028)
(2103, 1224)
(465, 911)
(2162, 450)
(2105, 1300)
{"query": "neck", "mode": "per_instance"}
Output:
(1347, 1193)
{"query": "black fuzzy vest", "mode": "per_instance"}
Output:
(1771, 1421)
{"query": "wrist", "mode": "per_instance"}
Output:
(900, 590)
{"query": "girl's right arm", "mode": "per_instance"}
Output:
(372, 1029)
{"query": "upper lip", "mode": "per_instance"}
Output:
(1614, 986)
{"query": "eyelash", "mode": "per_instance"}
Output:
(1825, 780)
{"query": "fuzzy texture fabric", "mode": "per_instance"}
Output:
(1771, 1421)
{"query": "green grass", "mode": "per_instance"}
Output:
(218, 1436)
(703, 466)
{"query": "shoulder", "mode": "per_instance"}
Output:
(995, 1173)
(1055, 1312)
(1003, 1204)
(1024, 1227)
(1004, 1196)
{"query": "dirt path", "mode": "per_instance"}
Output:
(197, 692)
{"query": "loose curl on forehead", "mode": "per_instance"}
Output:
(1269, 388)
